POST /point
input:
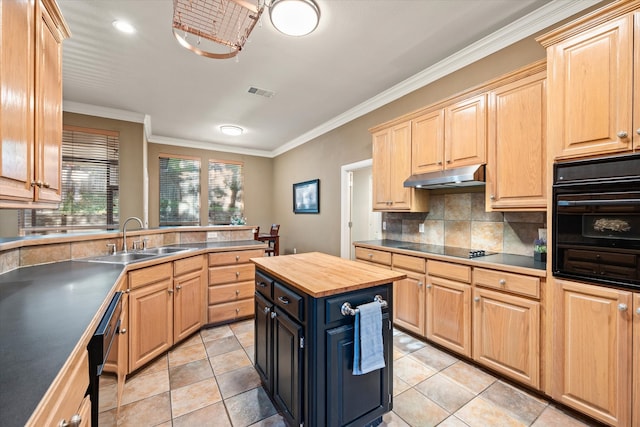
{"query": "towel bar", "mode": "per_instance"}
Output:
(347, 310)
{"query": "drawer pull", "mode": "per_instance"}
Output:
(237, 310)
(237, 274)
(237, 257)
(477, 299)
(347, 310)
(237, 292)
(502, 282)
(261, 284)
(370, 256)
(74, 421)
(283, 300)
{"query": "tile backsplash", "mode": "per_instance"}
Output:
(459, 219)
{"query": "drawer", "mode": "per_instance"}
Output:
(234, 257)
(264, 285)
(230, 311)
(68, 396)
(373, 255)
(510, 282)
(289, 301)
(187, 265)
(411, 263)
(149, 275)
(230, 292)
(460, 273)
(231, 274)
(333, 305)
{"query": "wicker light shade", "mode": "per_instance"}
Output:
(218, 28)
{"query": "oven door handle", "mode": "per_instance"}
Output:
(614, 202)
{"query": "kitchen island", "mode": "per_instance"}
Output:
(304, 330)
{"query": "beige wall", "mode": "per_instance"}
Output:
(258, 175)
(323, 157)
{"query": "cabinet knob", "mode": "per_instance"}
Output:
(266, 310)
(439, 163)
(420, 284)
(46, 185)
(622, 307)
(429, 286)
(273, 314)
(237, 257)
(74, 421)
(638, 131)
(237, 310)
(170, 291)
(638, 311)
(370, 256)
(622, 134)
(237, 274)
(178, 287)
(123, 331)
(449, 161)
(237, 292)
(477, 299)
(492, 197)
(33, 184)
(502, 282)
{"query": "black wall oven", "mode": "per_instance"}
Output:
(596, 221)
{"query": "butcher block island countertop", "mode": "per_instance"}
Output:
(319, 275)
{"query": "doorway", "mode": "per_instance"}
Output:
(358, 221)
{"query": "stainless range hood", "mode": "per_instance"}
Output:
(465, 176)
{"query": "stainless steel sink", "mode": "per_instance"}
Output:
(129, 257)
(164, 250)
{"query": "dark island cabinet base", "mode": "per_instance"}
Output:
(304, 356)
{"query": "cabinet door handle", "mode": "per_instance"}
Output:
(170, 291)
(638, 131)
(283, 300)
(492, 197)
(178, 287)
(420, 284)
(74, 421)
(638, 311)
(273, 314)
(622, 134)
(502, 282)
(266, 310)
(46, 185)
(622, 307)
(123, 331)
(429, 286)
(477, 299)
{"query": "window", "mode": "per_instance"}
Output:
(179, 191)
(226, 192)
(89, 185)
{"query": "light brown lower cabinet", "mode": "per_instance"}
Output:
(506, 335)
(636, 359)
(165, 306)
(408, 294)
(593, 351)
(448, 305)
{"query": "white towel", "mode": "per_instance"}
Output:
(368, 350)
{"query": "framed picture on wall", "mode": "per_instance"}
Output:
(306, 197)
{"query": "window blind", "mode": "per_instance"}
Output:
(89, 184)
(179, 191)
(226, 192)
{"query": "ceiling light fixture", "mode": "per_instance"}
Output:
(294, 17)
(215, 28)
(231, 130)
(123, 26)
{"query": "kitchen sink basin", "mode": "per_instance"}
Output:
(129, 257)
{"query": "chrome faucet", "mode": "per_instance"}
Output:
(124, 231)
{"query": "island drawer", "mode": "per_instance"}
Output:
(333, 305)
(289, 301)
(264, 285)
(373, 255)
(509, 282)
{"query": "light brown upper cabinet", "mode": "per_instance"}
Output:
(593, 83)
(391, 167)
(31, 38)
(451, 136)
(516, 166)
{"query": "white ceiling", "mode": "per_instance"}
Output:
(363, 54)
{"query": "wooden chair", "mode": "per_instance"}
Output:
(273, 240)
(256, 233)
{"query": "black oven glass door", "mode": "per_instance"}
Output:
(597, 235)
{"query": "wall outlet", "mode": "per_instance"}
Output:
(295, 251)
(212, 235)
(420, 228)
(384, 225)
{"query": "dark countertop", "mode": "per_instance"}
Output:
(490, 261)
(44, 311)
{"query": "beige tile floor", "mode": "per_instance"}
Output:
(209, 380)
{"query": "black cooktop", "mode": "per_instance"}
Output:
(446, 250)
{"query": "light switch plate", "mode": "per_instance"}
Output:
(384, 225)
(420, 228)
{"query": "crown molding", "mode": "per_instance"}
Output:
(526, 26)
(155, 139)
(105, 112)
